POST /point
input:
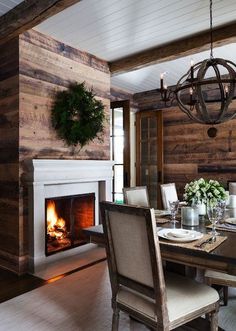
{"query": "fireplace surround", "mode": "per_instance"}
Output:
(50, 179)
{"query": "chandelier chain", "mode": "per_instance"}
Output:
(211, 31)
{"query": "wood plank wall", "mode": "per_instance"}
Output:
(188, 151)
(9, 155)
(45, 67)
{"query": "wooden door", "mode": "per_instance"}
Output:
(149, 153)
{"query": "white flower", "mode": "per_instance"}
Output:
(202, 190)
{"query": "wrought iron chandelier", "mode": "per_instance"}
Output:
(205, 100)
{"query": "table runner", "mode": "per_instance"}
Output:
(162, 220)
(166, 219)
(224, 227)
(192, 245)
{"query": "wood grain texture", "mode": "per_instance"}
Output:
(46, 67)
(174, 50)
(28, 14)
(188, 151)
(35, 70)
(9, 154)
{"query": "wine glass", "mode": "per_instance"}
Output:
(221, 204)
(174, 205)
(213, 213)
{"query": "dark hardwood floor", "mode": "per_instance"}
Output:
(12, 285)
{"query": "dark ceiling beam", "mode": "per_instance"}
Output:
(186, 46)
(28, 14)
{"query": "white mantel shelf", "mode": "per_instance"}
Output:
(69, 171)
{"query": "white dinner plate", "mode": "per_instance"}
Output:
(231, 220)
(179, 235)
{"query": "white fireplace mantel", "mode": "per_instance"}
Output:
(67, 171)
(58, 178)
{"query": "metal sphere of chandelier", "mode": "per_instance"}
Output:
(205, 92)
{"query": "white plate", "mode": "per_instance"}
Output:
(179, 233)
(159, 212)
(167, 233)
(231, 220)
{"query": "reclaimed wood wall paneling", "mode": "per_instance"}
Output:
(9, 153)
(188, 151)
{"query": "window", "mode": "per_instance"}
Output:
(119, 142)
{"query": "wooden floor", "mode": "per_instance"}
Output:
(12, 285)
(92, 287)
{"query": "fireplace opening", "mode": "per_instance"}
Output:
(65, 217)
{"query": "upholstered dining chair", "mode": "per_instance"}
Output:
(168, 193)
(232, 188)
(137, 196)
(219, 278)
(138, 285)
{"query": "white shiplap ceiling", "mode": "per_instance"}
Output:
(148, 78)
(6, 5)
(113, 29)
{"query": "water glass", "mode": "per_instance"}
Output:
(174, 205)
(213, 213)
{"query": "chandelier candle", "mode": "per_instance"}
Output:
(162, 83)
(192, 72)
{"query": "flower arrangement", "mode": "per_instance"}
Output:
(203, 191)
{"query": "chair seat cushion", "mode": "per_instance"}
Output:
(220, 276)
(184, 296)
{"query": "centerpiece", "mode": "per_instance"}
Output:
(201, 192)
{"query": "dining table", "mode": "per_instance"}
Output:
(222, 258)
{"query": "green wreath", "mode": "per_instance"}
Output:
(77, 116)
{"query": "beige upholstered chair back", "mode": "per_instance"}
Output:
(232, 188)
(168, 193)
(136, 196)
(129, 230)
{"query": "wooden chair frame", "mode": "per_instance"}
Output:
(158, 292)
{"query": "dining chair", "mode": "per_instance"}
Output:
(137, 196)
(168, 193)
(232, 188)
(139, 287)
(219, 278)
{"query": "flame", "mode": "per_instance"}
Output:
(54, 223)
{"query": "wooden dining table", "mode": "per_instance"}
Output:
(222, 258)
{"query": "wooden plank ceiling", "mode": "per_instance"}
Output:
(6, 5)
(116, 29)
(113, 30)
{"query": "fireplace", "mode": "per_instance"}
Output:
(65, 218)
(75, 188)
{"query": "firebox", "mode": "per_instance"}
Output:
(65, 217)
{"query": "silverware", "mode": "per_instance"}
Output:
(207, 241)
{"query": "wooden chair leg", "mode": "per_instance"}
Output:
(214, 321)
(225, 295)
(115, 319)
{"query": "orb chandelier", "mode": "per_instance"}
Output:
(207, 89)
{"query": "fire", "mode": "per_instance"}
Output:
(56, 227)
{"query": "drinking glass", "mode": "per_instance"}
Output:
(174, 205)
(221, 204)
(213, 213)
